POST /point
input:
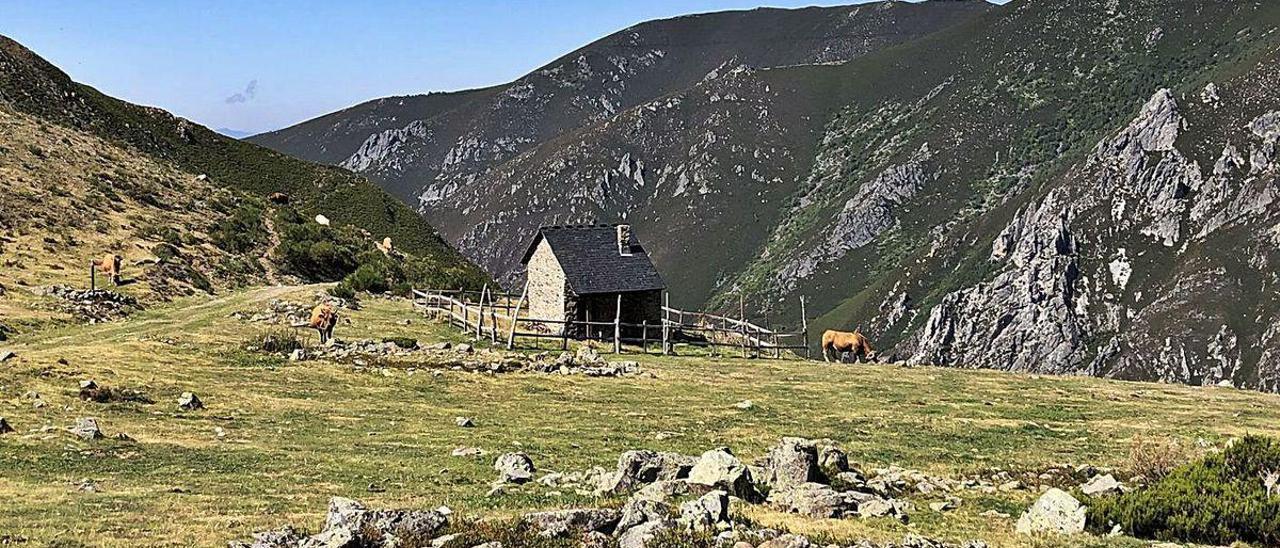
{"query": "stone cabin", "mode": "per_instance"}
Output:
(577, 273)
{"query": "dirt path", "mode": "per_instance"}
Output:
(175, 319)
(273, 276)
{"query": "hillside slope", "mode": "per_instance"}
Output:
(31, 85)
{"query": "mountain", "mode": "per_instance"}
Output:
(88, 175)
(234, 133)
(634, 126)
(1063, 187)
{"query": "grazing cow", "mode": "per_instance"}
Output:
(844, 341)
(323, 319)
(110, 266)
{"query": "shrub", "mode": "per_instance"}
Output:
(407, 343)
(241, 231)
(276, 341)
(1154, 458)
(1219, 499)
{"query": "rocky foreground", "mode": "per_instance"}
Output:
(674, 499)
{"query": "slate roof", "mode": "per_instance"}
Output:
(591, 262)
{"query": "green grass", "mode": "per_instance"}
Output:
(295, 433)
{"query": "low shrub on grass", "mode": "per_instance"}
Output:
(1154, 458)
(1220, 499)
(276, 341)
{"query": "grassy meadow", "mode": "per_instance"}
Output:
(278, 438)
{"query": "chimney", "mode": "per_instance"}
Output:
(624, 239)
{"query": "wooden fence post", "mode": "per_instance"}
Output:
(666, 323)
(515, 318)
(644, 337)
(742, 322)
(493, 321)
(480, 310)
(617, 327)
(93, 277)
(804, 329)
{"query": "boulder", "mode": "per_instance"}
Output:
(6, 355)
(719, 469)
(562, 523)
(814, 500)
(710, 511)
(1054, 512)
(465, 348)
(792, 462)
(639, 468)
(638, 511)
(5, 428)
(344, 512)
(664, 490)
(643, 535)
(464, 422)
(86, 429)
(832, 459)
(279, 538)
(514, 468)
(1101, 485)
(189, 402)
(871, 506)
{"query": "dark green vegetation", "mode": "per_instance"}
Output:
(29, 84)
(1221, 499)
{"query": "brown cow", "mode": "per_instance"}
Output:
(110, 266)
(323, 319)
(844, 341)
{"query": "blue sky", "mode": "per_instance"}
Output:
(261, 65)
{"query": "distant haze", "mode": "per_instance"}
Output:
(247, 67)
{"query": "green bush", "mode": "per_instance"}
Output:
(241, 231)
(1219, 499)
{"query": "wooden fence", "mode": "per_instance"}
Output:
(497, 316)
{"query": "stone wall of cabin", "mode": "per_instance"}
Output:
(547, 286)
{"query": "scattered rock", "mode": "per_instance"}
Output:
(5, 428)
(744, 404)
(814, 500)
(710, 511)
(189, 402)
(514, 468)
(642, 535)
(639, 510)
(719, 469)
(467, 452)
(6, 355)
(638, 468)
(86, 429)
(465, 348)
(1101, 485)
(1055, 512)
(792, 462)
(88, 384)
(561, 523)
(464, 422)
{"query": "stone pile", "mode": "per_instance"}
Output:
(349, 524)
(278, 311)
(93, 306)
(464, 357)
